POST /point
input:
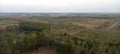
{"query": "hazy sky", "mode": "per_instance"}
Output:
(60, 6)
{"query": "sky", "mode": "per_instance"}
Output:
(59, 6)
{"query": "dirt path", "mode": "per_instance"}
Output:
(109, 28)
(75, 31)
(79, 30)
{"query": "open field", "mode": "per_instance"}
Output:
(56, 33)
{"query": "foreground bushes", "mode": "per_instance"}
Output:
(31, 35)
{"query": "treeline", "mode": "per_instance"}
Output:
(97, 42)
(28, 36)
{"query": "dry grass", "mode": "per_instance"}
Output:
(2, 27)
(85, 25)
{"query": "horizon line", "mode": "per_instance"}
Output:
(62, 12)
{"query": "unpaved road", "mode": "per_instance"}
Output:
(109, 28)
(79, 30)
(75, 31)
